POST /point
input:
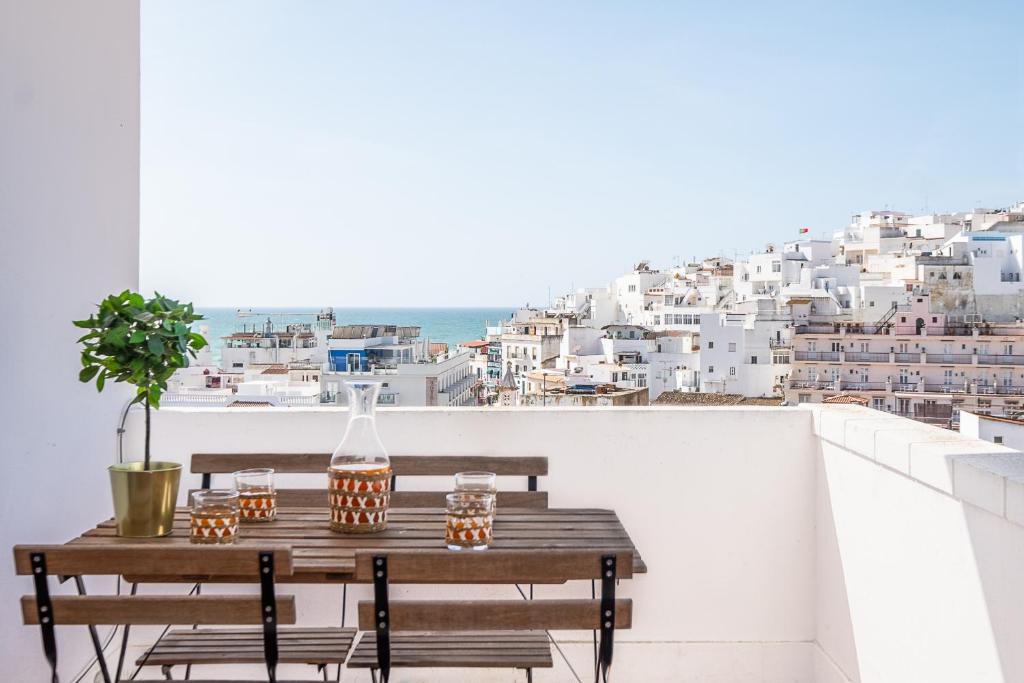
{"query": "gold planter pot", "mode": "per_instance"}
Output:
(144, 500)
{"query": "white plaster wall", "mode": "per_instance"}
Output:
(724, 517)
(977, 427)
(920, 549)
(69, 212)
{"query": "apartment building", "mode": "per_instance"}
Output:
(914, 363)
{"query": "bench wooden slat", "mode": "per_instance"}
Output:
(507, 566)
(406, 499)
(243, 646)
(498, 649)
(158, 609)
(144, 558)
(402, 465)
(483, 615)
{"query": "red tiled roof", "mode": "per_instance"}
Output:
(846, 398)
(250, 404)
(475, 344)
(275, 371)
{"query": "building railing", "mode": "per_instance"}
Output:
(816, 329)
(945, 388)
(1010, 390)
(948, 358)
(867, 357)
(808, 384)
(908, 357)
(864, 386)
(904, 386)
(832, 356)
(1009, 277)
(998, 359)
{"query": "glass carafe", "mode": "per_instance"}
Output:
(359, 477)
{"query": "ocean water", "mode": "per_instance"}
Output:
(451, 325)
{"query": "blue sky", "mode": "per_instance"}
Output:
(477, 153)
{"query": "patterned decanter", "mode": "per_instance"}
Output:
(359, 477)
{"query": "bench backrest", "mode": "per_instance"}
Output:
(403, 466)
(383, 615)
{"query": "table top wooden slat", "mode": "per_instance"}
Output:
(321, 555)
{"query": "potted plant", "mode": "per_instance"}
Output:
(141, 342)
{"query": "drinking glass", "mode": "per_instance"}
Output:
(470, 521)
(214, 516)
(257, 498)
(477, 482)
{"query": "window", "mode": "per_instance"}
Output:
(237, 365)
(997, 439)
(732, 346)
(632, 288)
(878, 403)
(753, 360)
(711, 344)
(732, 371)
(777, 267)
(711, 369)
(803, 398)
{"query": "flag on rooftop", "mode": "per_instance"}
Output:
(804, 231)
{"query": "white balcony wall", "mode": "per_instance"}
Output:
(724, 517)
(832, 544)
(919, 552)
(69, 216)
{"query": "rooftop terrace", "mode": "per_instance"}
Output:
(824, 543)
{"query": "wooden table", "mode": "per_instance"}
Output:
(323, 556)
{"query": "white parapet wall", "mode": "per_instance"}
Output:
(920, 552)
(831, 544)
(720, 504)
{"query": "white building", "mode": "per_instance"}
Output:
(1006, 431)
(401, 360)
(745, 353)
(267, 342)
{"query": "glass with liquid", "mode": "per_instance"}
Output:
(359, 477)
(214, 517)
(469, 522)
(257, 498)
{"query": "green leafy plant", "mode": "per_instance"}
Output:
(139, 341)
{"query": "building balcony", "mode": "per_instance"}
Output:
(812, 544)
(991, 359)
(908, 357)
(946, 388)
(864, 386)
(809, 384)
(948, 358)
(830, 356)
(866, 357)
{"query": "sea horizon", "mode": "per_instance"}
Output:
(448, 324)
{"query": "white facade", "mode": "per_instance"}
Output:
(1008, 432)
(69, 216)
(744, 353)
